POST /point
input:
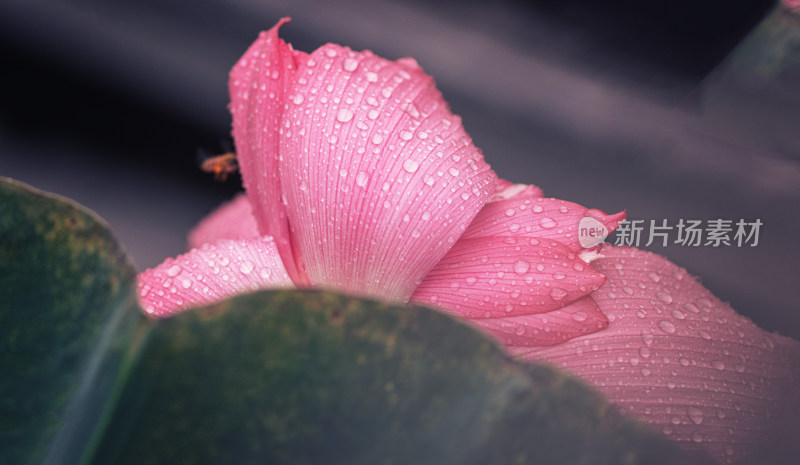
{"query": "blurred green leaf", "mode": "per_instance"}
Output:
(67, 315)
(770, 49)
(302, 377)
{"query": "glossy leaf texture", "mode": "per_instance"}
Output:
(67, 318)
(307, 377)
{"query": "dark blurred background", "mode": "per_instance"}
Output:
(666, 109)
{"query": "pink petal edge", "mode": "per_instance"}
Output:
(231, 220)
(517, 289)
(258, 86)
(497, 277)
(680, 359)
(506, 189)
(578, 318)
(544, 218)
(211, 273)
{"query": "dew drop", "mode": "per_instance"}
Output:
(344, 115)
(410, 165)
(350, 64)
(580, 316)
(664, 297)
(696, 415)
(557, 293)
(647, 338)
(520, 330)
(666, 326)
(247, 266)
(678, 315)
(406, 135)
(472, 280)
(362, 178)
(690, 307)
(298, 99)
(653, 276)
(718, 365)
(521, 267)
(173, 270)
(548, 223)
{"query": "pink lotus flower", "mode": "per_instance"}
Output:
(359, 179)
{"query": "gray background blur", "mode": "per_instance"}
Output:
(612, 106)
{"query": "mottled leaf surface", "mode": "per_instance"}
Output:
(306, 377)
(67, 314)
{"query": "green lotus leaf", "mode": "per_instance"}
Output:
(67, 318)
(308, 377)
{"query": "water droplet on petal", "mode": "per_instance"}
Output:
(666, 326)
(548, 223)
(350, 64)
(410, 165)
(362, 178)
(664, 297)
(678, 315)
(690, 307)
(173, 270)
(247, 266)
(718, 365)
(521, 267)
(580, 316)
(696, 415)
(344, 115)
(557, 293)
